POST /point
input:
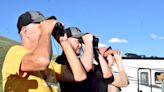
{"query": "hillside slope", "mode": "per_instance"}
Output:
(5, 44)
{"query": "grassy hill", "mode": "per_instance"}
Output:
(5, 44)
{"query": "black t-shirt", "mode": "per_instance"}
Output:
(83, 86)
(93, 83)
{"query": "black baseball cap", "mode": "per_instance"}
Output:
(74, 32)
(31, 17)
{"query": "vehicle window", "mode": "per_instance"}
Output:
(158, 77)
(144, 78)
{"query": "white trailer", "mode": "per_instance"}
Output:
(142, 74)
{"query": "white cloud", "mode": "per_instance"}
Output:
(154, 36)
(161, 38)
(102, 45)
(99, 45)
(117, 40)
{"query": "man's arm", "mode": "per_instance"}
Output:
(39, 58)
(87, 56)
(75, 64)
(106, 71)
(121, 80)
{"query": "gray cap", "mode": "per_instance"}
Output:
(31, 17)
(74, 32)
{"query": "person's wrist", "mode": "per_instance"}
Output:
(64, 42)
(116, 60)
(45, 32)
(87, 41)
(88, 44)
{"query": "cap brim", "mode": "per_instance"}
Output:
(79, 35)
(52, 17)
(44, 18)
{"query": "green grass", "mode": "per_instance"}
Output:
(5, 44)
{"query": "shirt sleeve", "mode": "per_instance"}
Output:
(58, 68)
(13, 60)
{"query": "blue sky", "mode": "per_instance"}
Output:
(135, 26)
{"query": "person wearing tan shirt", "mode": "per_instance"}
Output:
(121, 79)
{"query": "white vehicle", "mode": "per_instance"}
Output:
(142, 74)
